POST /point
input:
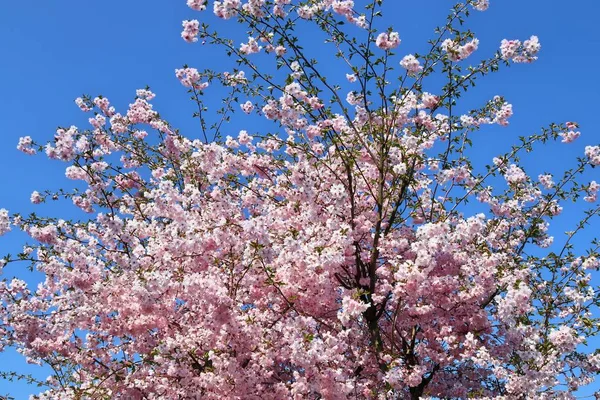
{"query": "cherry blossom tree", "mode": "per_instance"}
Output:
(345, 248)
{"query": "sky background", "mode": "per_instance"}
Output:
(53, 51)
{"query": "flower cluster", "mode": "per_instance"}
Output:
(190, 77)
(518, 52)
(411, 64)
(458, 52)
(190, 30)
(388, 40)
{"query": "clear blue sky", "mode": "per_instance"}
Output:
(53, 51)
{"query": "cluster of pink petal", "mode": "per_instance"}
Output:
(457, 52)
(239, 78)
(593, 154)
(227, 8)
(64, 144)
(104, 105)
(25, 145)
(250, 47)
(36, 198)
(520, 53)
(388, 40)
(82, 105)
(247, 107)
(570, 136)
(346, 9)
(4, 221)
(190, 77)
(191, 28)
(198, 5)
(592, 192)
(481, 5)
(411, 64)
(546, 181)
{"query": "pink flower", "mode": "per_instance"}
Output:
(411, 64)
(145, 94)
(190, 77)
(592, 191)
(351, 309)
(520, 53)
(104, 105)
(247, 107)
(198, 5)
(564, 338)
(429, 100)
(4, 222)
(251, 47)
(280, 50)
(569, 136)
(546, 180)
(515, 175)
(481, 5)
(593, 153)
(388, 40)
(25, 145)
(457, 52)
(191, 28)
(226, 9)
(36, 198)
(343, 7)
(47, 234)
(82, 105)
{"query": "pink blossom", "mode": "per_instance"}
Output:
(564, 338)
(4, 221)
(592, 192)
(82, 105)
(25, 145)
(226, 9)
(64, 148)
(47, 234)
(247, 107)
(104, 105)
(280, 50)
(481, 5)
(429, 100)
(411, 64)
(145, 94)
(351, 308)
(98, 121)
(515, 175)
(343, 7)
(456, 52)
(190, 77)
(569, 136)
(503, 111)
(238, 78)
(546, 180)
(520, 53)
(36, 198)
(251, 47)
(388, 40)
(593, 153)
(191, 29)
(198, 5)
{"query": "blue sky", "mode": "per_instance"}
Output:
(54, 51)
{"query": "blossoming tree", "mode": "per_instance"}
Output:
(331, 253)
